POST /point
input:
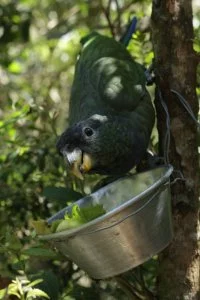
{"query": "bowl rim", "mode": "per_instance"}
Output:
(75, 231)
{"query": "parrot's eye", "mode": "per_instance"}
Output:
(88, 131)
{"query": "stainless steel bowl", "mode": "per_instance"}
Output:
(137, 225)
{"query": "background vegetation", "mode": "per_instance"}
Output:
(39, 43)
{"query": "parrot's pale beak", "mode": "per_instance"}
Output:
(78, 162)
(87, 163)
(75, 170)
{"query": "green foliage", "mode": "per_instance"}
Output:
(61, 194)
(23, 289)
(39, 252)
(39, 44)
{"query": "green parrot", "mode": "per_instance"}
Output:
(111, 115)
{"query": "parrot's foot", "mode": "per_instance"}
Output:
(150, 161)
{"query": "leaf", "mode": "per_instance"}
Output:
(85, 214)
(67, 224)
(17, 284)
(75, 214)
(50, 282)
(73, 219)
(35, 282)
(90, 213)
(54, 225)
(41, 226)
(79, 216)
(14, 289)
(36, 251)
(3, 293)
(61, 194)
(36, 293)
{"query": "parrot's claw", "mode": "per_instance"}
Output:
(150, 161)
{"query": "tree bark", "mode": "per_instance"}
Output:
(175, 69)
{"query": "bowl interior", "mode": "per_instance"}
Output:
(121, 191)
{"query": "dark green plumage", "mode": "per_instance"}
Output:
(111, 115)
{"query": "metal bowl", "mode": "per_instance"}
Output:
(137, 225)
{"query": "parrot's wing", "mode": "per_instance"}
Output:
(120, 83)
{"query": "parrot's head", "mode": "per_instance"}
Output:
(97, 145)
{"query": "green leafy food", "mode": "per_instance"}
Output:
(79, 216)
(90, 213)
(76, 217)
(65, 224)
(54, 225)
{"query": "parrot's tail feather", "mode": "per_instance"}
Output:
(125, 39)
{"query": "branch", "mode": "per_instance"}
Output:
(118, 17)
(106, 12)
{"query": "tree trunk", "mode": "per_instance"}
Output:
(175, 69)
